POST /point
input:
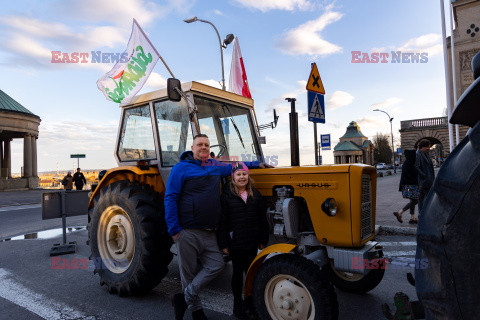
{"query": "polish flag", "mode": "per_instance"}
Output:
(238, 77)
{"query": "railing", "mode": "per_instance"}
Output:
(423, 123)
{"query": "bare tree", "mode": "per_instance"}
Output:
(383, 149)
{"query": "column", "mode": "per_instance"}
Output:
(27, 156)
(34, 156)
(8, 158)
(2, 161)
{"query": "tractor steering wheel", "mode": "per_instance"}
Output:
(223, 150)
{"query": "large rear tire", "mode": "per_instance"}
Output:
(288, 287)
(128, 237)
(353, 282)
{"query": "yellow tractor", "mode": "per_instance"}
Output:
(321, 218)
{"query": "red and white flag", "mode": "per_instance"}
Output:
(238, 77)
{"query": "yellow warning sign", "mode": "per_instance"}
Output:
(314, 82)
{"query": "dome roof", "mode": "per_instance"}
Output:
(8, 104)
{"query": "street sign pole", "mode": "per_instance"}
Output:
(315, 142)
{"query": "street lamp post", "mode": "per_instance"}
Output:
(391, 132)
(226, 42)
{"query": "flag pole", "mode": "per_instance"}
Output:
(454, 78)
(141, 30)
(447, 77)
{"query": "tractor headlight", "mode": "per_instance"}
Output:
(330, 207)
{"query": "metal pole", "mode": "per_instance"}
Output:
(64, 217)
(393, 148)
(454, 78)
(221, 52)
(294, 148)
(315, 141)
(447, 78)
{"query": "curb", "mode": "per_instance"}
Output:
(18, 204)
(396, 230)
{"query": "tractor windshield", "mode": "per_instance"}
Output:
(228, 127)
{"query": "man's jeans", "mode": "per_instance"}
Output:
(194, 245)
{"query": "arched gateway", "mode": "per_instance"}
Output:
(17, 122)
(433, 129)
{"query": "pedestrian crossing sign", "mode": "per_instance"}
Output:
(314, 82)
(316, 107)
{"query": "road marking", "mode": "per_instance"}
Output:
(398, 253)
(35, 302)
(398, 244)
(27, 206)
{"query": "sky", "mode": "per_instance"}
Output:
(279, 40)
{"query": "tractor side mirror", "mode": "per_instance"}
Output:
(275, 118)
(173, 88)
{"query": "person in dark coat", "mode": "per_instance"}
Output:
(79, 179)
(67, 181)
(424, 166)
(243, 228)
(409, 178)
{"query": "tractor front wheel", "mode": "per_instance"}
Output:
(353, 282)
(128, 237)
(291, 287)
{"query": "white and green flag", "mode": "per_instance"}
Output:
(127, 77)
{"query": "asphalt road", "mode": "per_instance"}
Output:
(31, 289)
(29, 284)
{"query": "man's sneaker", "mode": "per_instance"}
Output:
(179, 305)
(199, 315)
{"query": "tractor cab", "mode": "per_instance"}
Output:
(159, 130)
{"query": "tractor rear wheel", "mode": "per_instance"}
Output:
(128, 237)
(291, 287)
(353, 282)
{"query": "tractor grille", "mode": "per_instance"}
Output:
(366, 216)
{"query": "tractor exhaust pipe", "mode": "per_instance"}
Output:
(294, 146)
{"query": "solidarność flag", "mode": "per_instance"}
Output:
(131, 72)
(238, 77)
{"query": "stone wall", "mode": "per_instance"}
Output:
(19, 183)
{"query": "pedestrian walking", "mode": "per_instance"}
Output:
(79, 179)
(67, 181)
(243, 229)
(193, 213)
(409, 186)
(424, 166)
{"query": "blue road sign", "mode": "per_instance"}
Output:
(325, 141)
(225, 126)
(399, 150)
(316, 107)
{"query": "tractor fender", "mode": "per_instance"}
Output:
(150, 176)
(257, 262)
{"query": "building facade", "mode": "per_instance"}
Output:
(353, 147)
(17, 122)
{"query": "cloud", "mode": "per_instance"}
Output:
(339, 99)
(267, 5)
(306, 38)
(218, 12)
(211, 83)
(386, 103)
(430, 43)
(156, 81)
(274, 103)
(110, 11)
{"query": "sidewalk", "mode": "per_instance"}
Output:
(16, 198)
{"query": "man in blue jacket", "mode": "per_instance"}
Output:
(192, 213)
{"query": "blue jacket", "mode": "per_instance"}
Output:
(192, 198)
